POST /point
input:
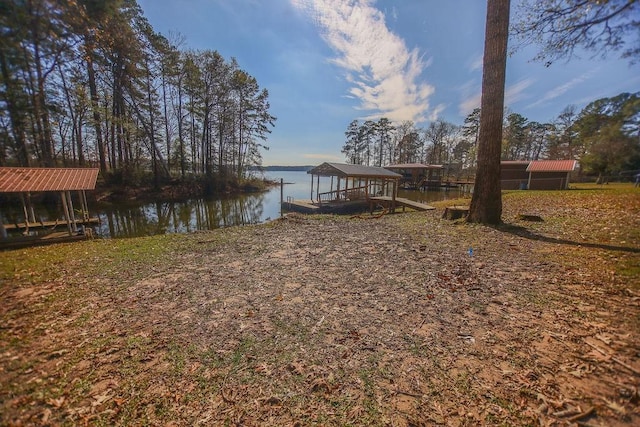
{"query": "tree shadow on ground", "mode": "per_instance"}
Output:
(521, 231)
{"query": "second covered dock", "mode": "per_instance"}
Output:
(352, 188)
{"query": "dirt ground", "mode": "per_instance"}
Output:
(402, 320)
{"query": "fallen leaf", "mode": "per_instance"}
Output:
(56, 403)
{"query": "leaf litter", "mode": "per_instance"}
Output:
(403, 320)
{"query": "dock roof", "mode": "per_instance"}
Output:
(413, 166)
(357, 171)
(22, 180)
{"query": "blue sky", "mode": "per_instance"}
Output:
(328, 62)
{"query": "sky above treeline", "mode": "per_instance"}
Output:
(326, 63)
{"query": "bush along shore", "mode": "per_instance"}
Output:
(406, 319)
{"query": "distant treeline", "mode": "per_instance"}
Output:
(282, 168)
(91, 83)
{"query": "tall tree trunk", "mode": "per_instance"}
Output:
(486, 202)
(95, 108)
(76, 132)
(15, 115)
(41, 110)
(181, 131)
(167, 131)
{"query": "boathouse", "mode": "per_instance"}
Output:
(349, 188)
(26, 181)
(418, 175)
(352, 188)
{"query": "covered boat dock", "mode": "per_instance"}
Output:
(352, 188)
(418, 175)
(26, 181)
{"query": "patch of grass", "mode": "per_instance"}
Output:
(370, 404)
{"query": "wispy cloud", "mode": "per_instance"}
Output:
(516, 91)
(469, 103)
(563, 88)
(385, 75)
(512, 94)
(475, 64)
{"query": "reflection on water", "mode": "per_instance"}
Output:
(180, 217)
(137, 219)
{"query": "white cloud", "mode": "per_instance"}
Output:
(562, 89)
(469, 103)
(515, 92)
(512, 94)
(476, 63)
(384, 73)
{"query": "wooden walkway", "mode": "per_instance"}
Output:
(401, 201)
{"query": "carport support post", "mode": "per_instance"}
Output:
(311, 196)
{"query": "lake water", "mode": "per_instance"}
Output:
(142, 219)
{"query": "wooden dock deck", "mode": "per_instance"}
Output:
(401, 201)
(307, 206)
(302, 206)
(49, 224)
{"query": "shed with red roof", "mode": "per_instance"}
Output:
(536, 174)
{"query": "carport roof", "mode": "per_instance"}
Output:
(22, 180)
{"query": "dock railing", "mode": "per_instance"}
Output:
(355, 193)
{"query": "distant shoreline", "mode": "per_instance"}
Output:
(283, 168)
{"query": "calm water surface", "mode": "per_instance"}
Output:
(143, 219)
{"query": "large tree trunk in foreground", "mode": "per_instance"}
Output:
(486, 203)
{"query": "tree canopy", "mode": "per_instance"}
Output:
(560, 27)
(91, 82)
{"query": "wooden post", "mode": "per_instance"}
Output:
(32, 215)
(83, 202)
(71, 212)
(393, 196)
(3, 231)
(24, 209)
(65, 208)
(318, 189)
(311, 196)
(281, 195)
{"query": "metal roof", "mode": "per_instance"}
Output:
(358, 171)
(413, 166)
(22, 180)
(515, 162)
(551, 166)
